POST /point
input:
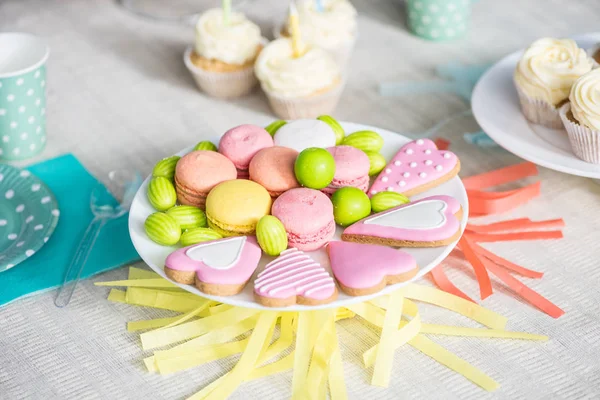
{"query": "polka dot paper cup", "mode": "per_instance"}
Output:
(439, 19)
(22, 95)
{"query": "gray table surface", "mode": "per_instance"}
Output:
(119, 96)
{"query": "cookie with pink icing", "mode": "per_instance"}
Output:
(430, 222)
(362, 269)
(294, 278)
(417, 167)
(219, 267)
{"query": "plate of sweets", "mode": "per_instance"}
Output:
(306, 214)
(542, 104)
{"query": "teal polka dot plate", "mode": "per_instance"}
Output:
(28, 215)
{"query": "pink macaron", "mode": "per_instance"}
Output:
(198, 172)
(273, 168)
(351, 169)
(241, 143)
(307, 216)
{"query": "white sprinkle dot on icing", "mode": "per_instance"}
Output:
(384, 179)
(397, 163)
(406, 174)
(409, 151)
(390, 189)
(422, 174)
(413, 164)
(428, 151)
(428, 162)
(388, 171)
(420, 142)
(447, 155)
(439, 167)
(402, 183)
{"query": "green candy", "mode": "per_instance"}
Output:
(376, 162)
(274, 126)
(350, 205)
(364, 140)
(188, 216)
(166, 167)
(162, 229)
(337, 128)
(205, 145)
(314, 168)
(385, 200)
(161, 193)
(271, 235)
(198, 235)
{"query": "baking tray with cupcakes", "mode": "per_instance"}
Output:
(297, 215)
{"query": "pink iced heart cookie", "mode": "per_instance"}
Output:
(417, 167)
(362, 269)
(219, 267)
(430, 222)
(294, 278)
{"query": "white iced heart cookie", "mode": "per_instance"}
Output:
(222, 254)
(427, 214)
(430, 222)
(304, 133)
(220, 267)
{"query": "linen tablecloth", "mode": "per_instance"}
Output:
(119, 96)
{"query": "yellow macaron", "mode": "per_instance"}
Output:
(234, 207)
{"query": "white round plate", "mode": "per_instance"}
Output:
(154, 254)
(497, 110)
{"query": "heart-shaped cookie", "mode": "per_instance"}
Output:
(219, 267)
(294, 278)
(362, 269)
(417, 167)
(430, 222)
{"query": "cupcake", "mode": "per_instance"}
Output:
(333, 29)
(298, 87)
(544, 77)
(581, 117)
(222, 60)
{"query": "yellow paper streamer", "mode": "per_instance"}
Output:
(209, 353)
(403, 335)
(256, 345)
(181, 302)
(134, 326)
(188, 330)
(385, 350)
(453, 362)
(343, 313)
(191, 314)
(149, 283)
(448, 330)
(138, 273)
(117, 296)
(337, 386)
(455, 303)
(323, 349)
(303, 350)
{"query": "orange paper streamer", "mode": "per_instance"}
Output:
(500, 176)
(494, 203)
(508, 237)
(520, 224)
(441, 280)
(485, 284)
(442, 144)
(507, 264)
(533, 297)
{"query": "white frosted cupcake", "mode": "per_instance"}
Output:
(298, 87)
(222, 59)
(332, 29)
(544, 77)
(581, 117)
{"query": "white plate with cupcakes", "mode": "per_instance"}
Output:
(519, 101)
(300, 215)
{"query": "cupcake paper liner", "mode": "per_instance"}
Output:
(585, 142)
(538, 111)
(341, 53)
(305, 107)
(221, 84)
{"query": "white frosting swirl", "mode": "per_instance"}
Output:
(233, 43)
(335, 25)
(280, 73)
(549, 68)
(585, 100)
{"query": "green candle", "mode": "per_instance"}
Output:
(226, 11)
